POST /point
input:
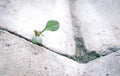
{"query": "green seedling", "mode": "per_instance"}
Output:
(51, 25)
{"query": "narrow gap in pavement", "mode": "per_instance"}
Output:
(111, 50)
(80, 47)
(79, 59)
(16, 34)
(75, 58)
(82, 54)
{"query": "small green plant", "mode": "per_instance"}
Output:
(51, 25)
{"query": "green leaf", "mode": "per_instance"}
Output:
(52, 25)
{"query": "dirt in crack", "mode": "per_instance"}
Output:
(80, 47)
(88, 56)
(82, 54)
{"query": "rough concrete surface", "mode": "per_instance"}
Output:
(99, 23)
(19, 57)
(105, 66)
(85, 26)
(25, 16)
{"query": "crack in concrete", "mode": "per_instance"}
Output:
(74, 58)
(81, 50)
(42, 45)
(80, 47)
(79, 59)
(111, 50)
(5, 29)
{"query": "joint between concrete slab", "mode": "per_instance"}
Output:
(65, 55)
(79, 42)
(74, 58)
(112, 50)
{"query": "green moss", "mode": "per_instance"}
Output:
(88, 56)
(80, 47)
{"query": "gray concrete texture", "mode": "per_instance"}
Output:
(99, 22)
(25, 16)
(19, 57)
(85, 25)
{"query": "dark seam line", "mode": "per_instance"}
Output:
(42, 45)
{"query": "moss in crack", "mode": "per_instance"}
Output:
(88, 56)
(80, 47)
(83, 55)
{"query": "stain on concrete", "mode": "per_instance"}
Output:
(80, 47)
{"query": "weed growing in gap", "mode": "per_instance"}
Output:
(51, 25)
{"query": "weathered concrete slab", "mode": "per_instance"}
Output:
(99, 23)
(105, 66)
(24, 16)
(19, 57)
